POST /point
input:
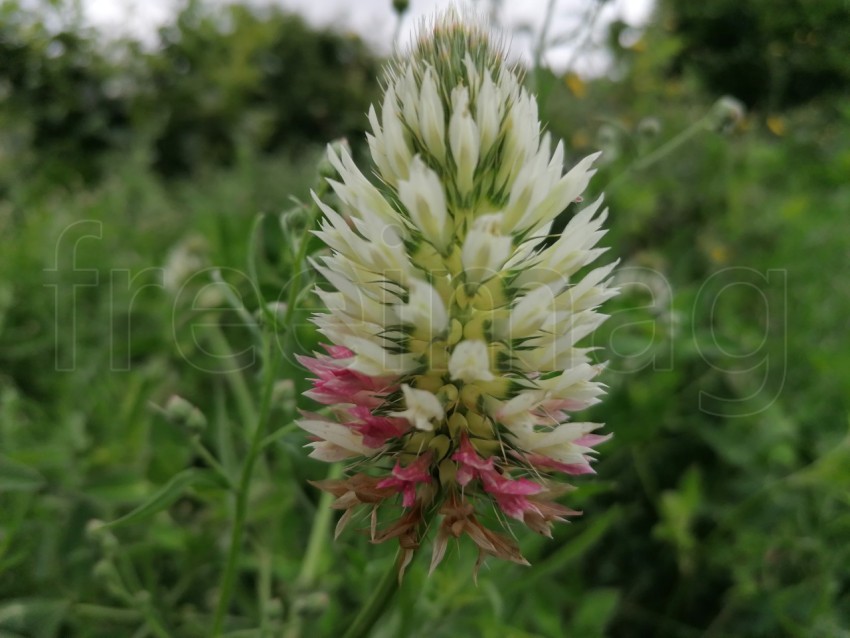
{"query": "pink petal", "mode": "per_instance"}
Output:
(377, 430)
(515, 506)
(467, 455)
(416, 471)
(464, 475)
(338, 352)
(404, 479)
(590, 440)
(494, 483)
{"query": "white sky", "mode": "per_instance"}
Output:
(375, 21)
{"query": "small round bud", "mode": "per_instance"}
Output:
(312, 604)
(197, 422)
(185, 260)
(400, 6)
(649, 127)
(142, 597)
(276, 309)
(94, 528)
(609, 141)
(96, 532)
(104, 570)
(726, 114)
(274, 609)
(211, 296)
(182, 413)
(178, 409)
(107, 575)
(293, 221)
(283, 394)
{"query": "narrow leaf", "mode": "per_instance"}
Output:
(17, 477)
(162, 498)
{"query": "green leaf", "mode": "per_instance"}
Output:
(164, 497)
(34, 617)
(572, 549)
(595, 611)
(678, 509)
(17, 477)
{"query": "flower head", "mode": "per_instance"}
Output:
(454, 318)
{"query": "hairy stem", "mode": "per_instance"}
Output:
(319, 534)
(374, 608)
(272, 360)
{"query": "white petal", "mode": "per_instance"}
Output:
(336, 439)
(487, 113)
(485, 249)
(464, 139)
(425, 308)
(529, 313)
(395, 143)
(423, 408)
(372, 359)
(425, 200)
(470, 362)
(432, 123)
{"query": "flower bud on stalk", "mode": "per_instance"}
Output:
(453, 363)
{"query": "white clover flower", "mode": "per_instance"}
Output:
(453, 362)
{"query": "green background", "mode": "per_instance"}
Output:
(130, 175)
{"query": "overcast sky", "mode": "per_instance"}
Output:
(375, 21)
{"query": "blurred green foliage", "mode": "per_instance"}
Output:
(130, 189)
(219, 78)
(766, 52)
(261, 77)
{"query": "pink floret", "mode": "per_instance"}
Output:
(509, 494)
(336, 383)
(376, 430)
(542, 461)
(470, 465)
(338, 352)
(404, 479)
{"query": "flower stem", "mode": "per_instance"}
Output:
(318, 534)
(318, 540)
(659, 153)
(271, 359)
(372, 610)
(235, 379)
(211, 461)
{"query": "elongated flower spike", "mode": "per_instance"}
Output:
(453, 361)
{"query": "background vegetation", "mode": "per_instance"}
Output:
(130, 181)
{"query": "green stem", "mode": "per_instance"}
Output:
(211, 461)
(301, 256)
(397, 30)
(235, 378)
(248, 320)
(106, 614)
(152, 620)
(264, 589)
(135, 596)
(271, 359)
(318, 534)
(280, 433)
(309, 571)
(228, 578)
(543, 40)
(372, 610)
(660, 153)
(671, 145)
(588, 27)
